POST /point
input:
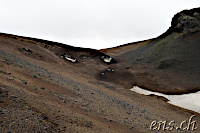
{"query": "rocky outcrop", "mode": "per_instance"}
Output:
(187, 21)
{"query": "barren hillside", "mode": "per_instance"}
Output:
(169, 63)
(52, 87)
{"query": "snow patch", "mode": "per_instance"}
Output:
(106, 59)
(187, 101)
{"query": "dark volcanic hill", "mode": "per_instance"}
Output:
(169, 63)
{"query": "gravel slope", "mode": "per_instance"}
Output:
(67, 97)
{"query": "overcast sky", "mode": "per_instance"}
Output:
(90, 23)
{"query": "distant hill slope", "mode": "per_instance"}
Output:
(168, 64)
(171, 61)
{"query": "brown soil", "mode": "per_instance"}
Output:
(42, 92)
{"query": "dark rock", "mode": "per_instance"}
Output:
(1, 90)
(109, 70)
(159, 97)
(28, 50)
(44, 116)
(186, 20)
(4, 111)
(1, 101)
(13, 96)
